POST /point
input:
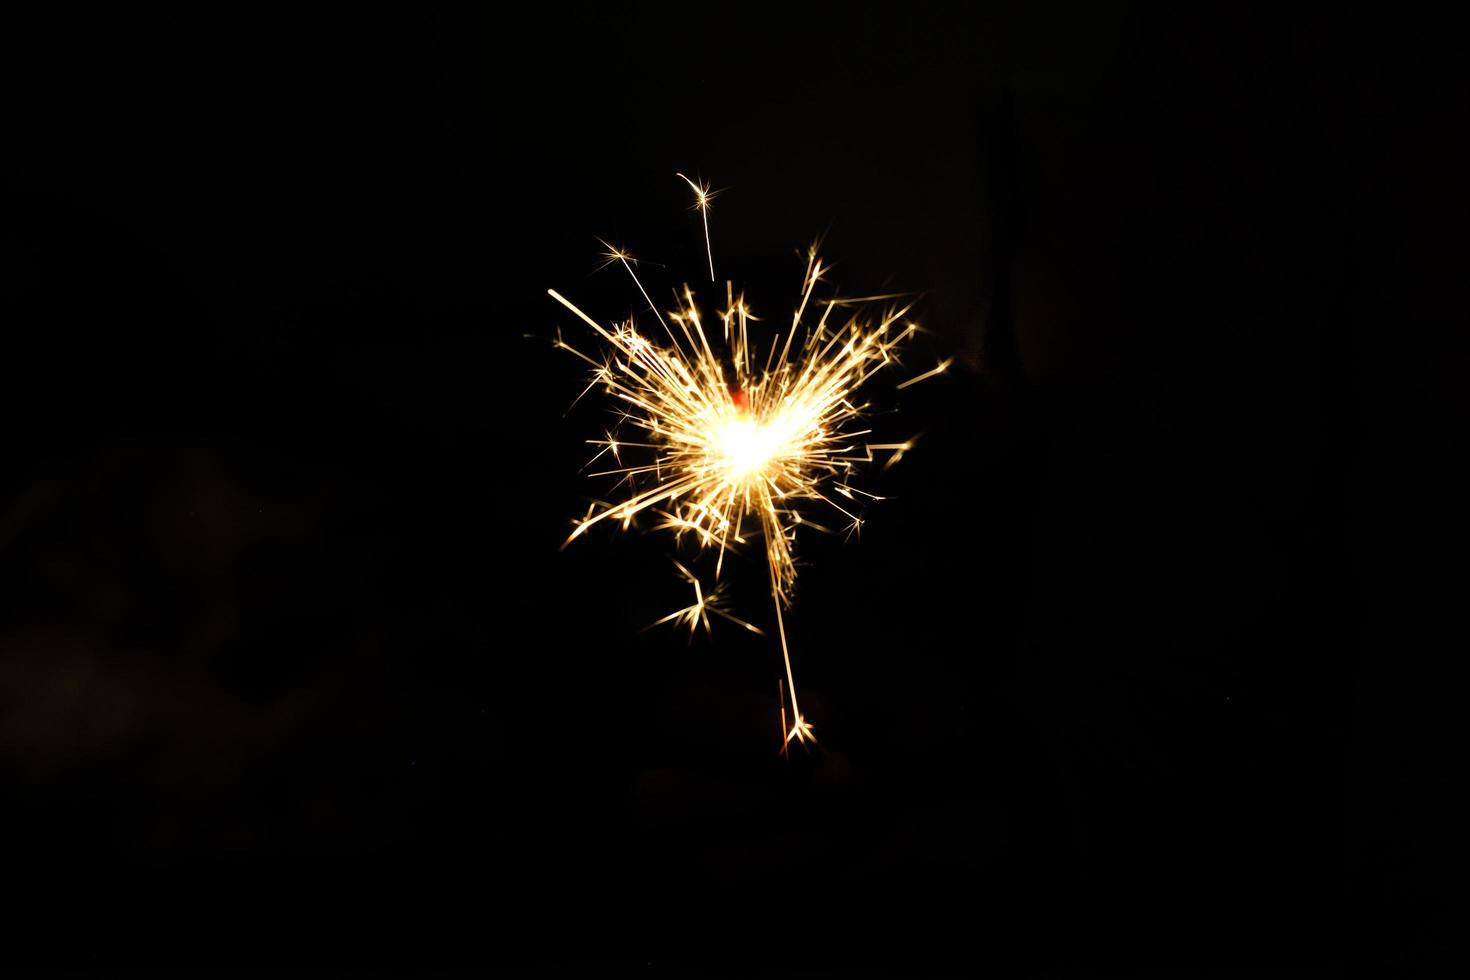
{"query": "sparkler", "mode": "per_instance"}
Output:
(748, 440)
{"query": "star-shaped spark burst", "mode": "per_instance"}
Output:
(698, 612)
(740, 442)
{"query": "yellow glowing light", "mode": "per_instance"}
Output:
(746, 448)
(745, 439)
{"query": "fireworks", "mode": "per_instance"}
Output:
(724, 446)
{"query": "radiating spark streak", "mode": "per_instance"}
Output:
(781, 700)
(622, 257)
(730, 448)
(585, 318)
(702, 197)
(800, 730)
(940, 369)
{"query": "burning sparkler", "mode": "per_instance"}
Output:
(733, 447)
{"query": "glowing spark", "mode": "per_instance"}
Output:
(744, 439)
(696, 614)
(702, 197)
(940, 369)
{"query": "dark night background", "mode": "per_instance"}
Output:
(293, 675)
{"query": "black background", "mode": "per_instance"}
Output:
(1145, 666)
